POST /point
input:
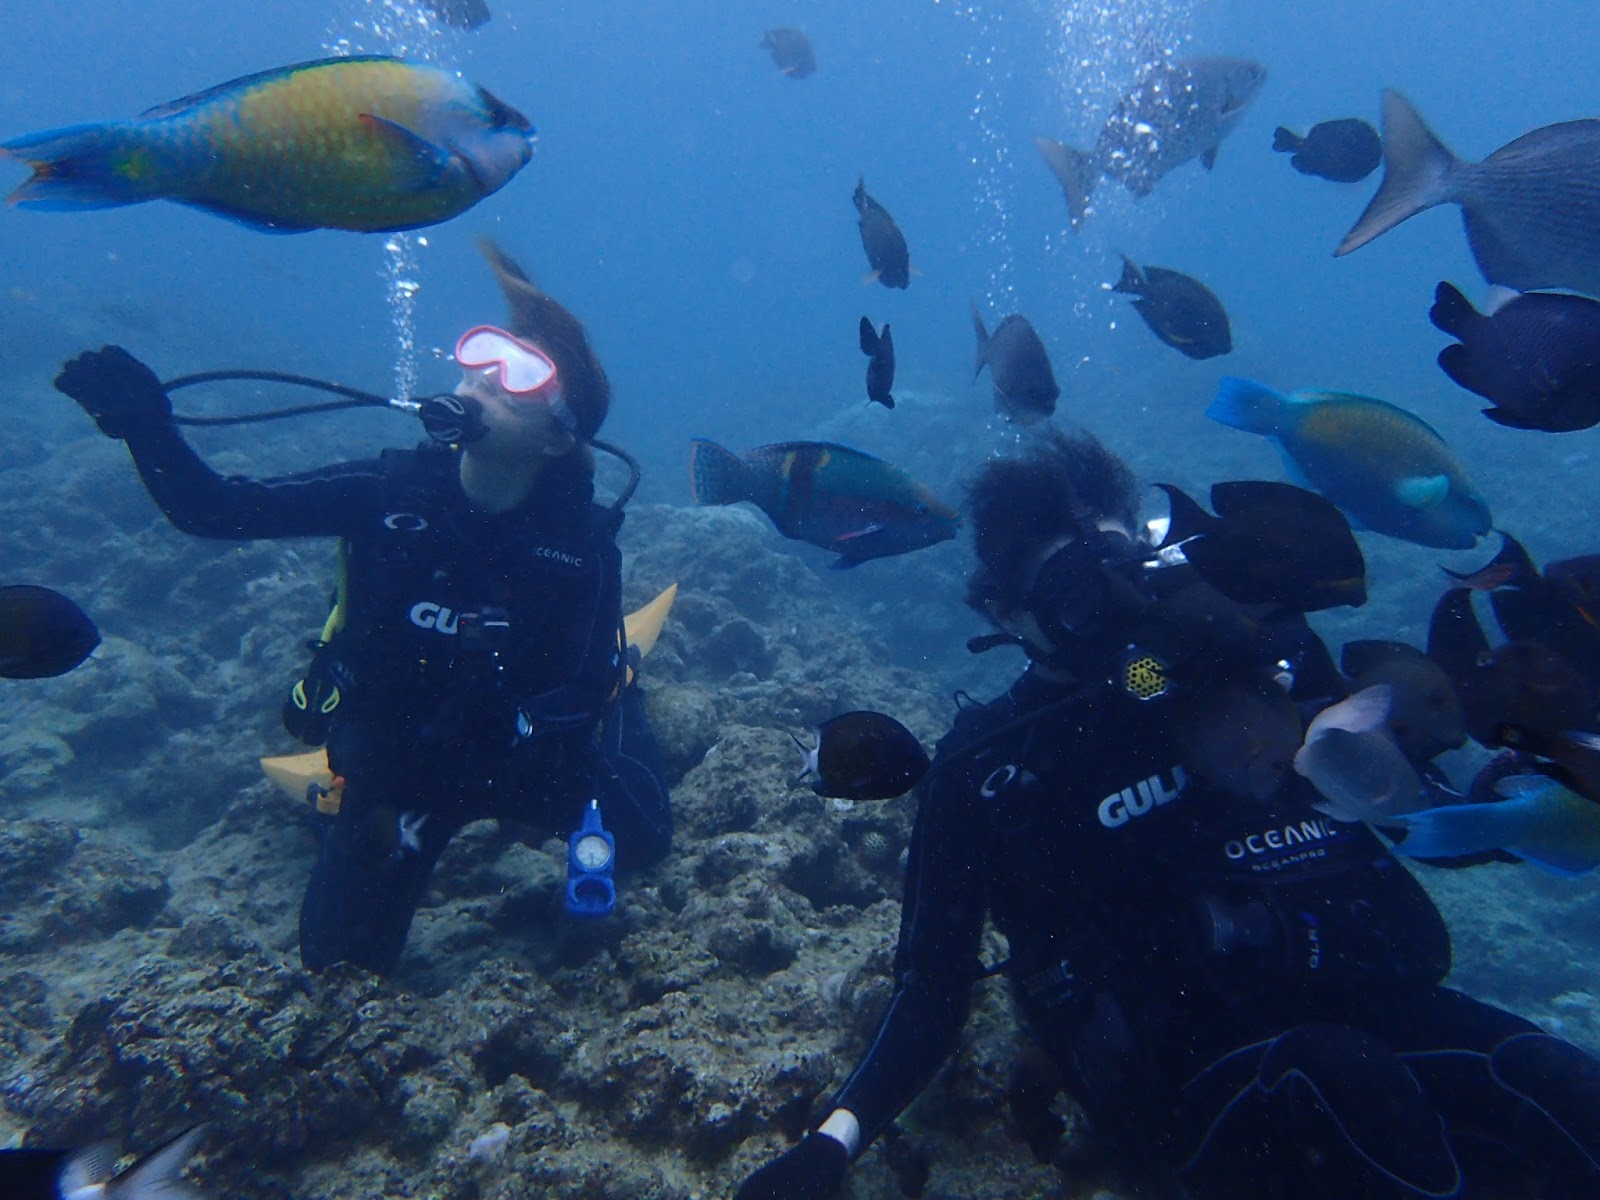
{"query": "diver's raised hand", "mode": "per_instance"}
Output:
(116, 389)
(812, 1170)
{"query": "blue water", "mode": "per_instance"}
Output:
(692, 206)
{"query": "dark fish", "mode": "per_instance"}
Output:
(1425, 714)
(879, 349)
(42, 633)
(463, 14)
(1180, 310)
(1384, 466)
(1271, 543)
(863, 756)
(1344, 151)
(1240, 738)
(54, 1174)
(831, 496)
(791, 50)
(1024, 385)
(1031, 1093)
(1521, 683)
(1510, 565)
(1178, 109)
(1536, 357)
(1573, 757)
(882, 240)
(1531, 209)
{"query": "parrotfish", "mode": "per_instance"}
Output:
(365, 143)
(1386, 467)
(1351, 758)
(1178, 109)
(1539, 821)
(831, 496)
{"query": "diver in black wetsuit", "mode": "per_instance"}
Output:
(1243, 991)
(476, 668)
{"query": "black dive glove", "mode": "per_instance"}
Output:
(117, 390)
(812, 1170)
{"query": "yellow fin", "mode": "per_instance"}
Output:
(644, 626)
(295, 772)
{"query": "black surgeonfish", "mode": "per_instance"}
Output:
(42, 633)
(1271, 543)
(1025, 388)
(1342, 151)
(1558, 608)
(863, 755)
(1179, 309)
(881, 238)
(791, 50)
(879, 349)
(1535, 358)
(463, 14)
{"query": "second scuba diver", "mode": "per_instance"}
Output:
(1242, 993)
(474, 666)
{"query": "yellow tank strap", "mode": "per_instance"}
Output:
(341, 594)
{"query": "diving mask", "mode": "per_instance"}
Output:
(520, 368)
(1087, 589)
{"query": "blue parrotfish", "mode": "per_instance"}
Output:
(831, 496)
(366, 143)
(1539, 821)
(1386, 467)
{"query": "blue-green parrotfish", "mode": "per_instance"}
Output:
(1539, 821)
(366, 143)
(834, 497)
(1386, 467)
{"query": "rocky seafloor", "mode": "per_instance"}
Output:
(150, 882)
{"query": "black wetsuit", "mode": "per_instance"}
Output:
(442, 721)
(1240, 991)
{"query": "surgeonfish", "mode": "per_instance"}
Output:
(1270, 543)
(1351, 758)
(1539, 821)
(367, 143)
(1025, 388)
(791, 51)
(1178, 109)
(1343, 151)
(863, 755)
(1425, 713)
(32, 1174)
(888, 258)
(1388, 469)
(1179, 309)
(1531, 209)
(42, 633)
(1535, 357)
(879, 349)
(829, 495)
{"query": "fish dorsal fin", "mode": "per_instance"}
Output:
(1422, 491)
(428, 161)
(1132, 281)
(1361, 713)
(1187, 518)
(183, 104)
(869, 338)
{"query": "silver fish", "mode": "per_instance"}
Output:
(1531, 209)
(1025, 388)
(1177, 110)
(1351, 758)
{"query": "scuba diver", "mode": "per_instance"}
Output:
(1242, 994)
(474, 665)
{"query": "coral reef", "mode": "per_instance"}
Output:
(149, 974)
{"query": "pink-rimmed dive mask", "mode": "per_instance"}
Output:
(521, 369)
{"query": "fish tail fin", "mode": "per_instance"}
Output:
(1416, 173)
(1245, 404)
(1455, 830)
(983, 340)
(154, 1175)
(869, 338)
(1132, 281)
(1452, 312)
(717, 475)
(80, 167)
(1186, 518)
(1076, 174)
(1286, 141)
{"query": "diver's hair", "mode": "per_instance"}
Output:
(1059, 487)
(542, 319)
